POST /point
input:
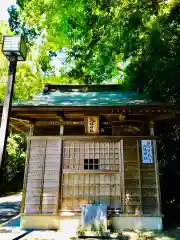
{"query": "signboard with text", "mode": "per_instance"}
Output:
(147, 152)
(94, 214)
(92, 124)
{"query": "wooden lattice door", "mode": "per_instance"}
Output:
(91, 173)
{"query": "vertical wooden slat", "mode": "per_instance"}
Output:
(34, 176)
(73, 178)
(78, 187)
(83, 175)
(89, 177)
(139, 174)
(94, 180)
(60, 177)
(26, 169)
(157, 176)
(121, 159)
(42, 180)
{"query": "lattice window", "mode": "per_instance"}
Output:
(91, 173)
(92, 164)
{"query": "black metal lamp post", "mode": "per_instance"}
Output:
(14, 49)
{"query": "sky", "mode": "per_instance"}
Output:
(4, 4)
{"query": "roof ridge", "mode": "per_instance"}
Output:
(83, 87)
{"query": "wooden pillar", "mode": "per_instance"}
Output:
(42, 180)
(157, 177)
(151, 129)
(31, 130)
(139, 211)
(121, 164)
(61, 132)
(61, 128)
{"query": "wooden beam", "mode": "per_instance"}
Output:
(121, 162)
(144, 109)
(61, 115)
(166, 116)
(16, 128)
(42, 181)
(157, 177)
(93, 138)
(139, 176)
(26, 118)
(26, 170)
(60, 194)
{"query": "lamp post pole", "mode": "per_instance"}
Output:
(14, 49)
(7, 108)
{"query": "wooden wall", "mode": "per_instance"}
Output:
(132, 182)
(112, 129)
(46, 130)
(149, 190)
(141, 193)
(42, 180)
(121, 180)
(130, 129)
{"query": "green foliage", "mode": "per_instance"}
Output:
(26, 85)
(29, 82)
(96, 34)
(13, 169)
(81, 231)
(155, 70)
(145, 236)
(16, 147)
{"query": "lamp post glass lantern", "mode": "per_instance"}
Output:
(14, 46)
(14, 49)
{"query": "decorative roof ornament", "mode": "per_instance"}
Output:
(46, 88)
(122, 116)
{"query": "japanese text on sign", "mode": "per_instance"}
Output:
(93, 124)
(147, 156)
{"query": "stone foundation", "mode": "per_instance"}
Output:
(70, 224)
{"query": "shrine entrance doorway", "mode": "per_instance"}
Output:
(91, 173)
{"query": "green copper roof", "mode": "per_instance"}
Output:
(84, 96)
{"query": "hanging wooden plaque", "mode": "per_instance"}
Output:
(92, 124)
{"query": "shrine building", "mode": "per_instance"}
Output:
(90, 144)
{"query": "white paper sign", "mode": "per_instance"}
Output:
(147, 155)
(94, 213)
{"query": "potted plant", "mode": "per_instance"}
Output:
(93, 230)
(114, 235)
(81, 231)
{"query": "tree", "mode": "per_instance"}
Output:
(96, 34)
(13, 168)
(29, 81)
(155, 70)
